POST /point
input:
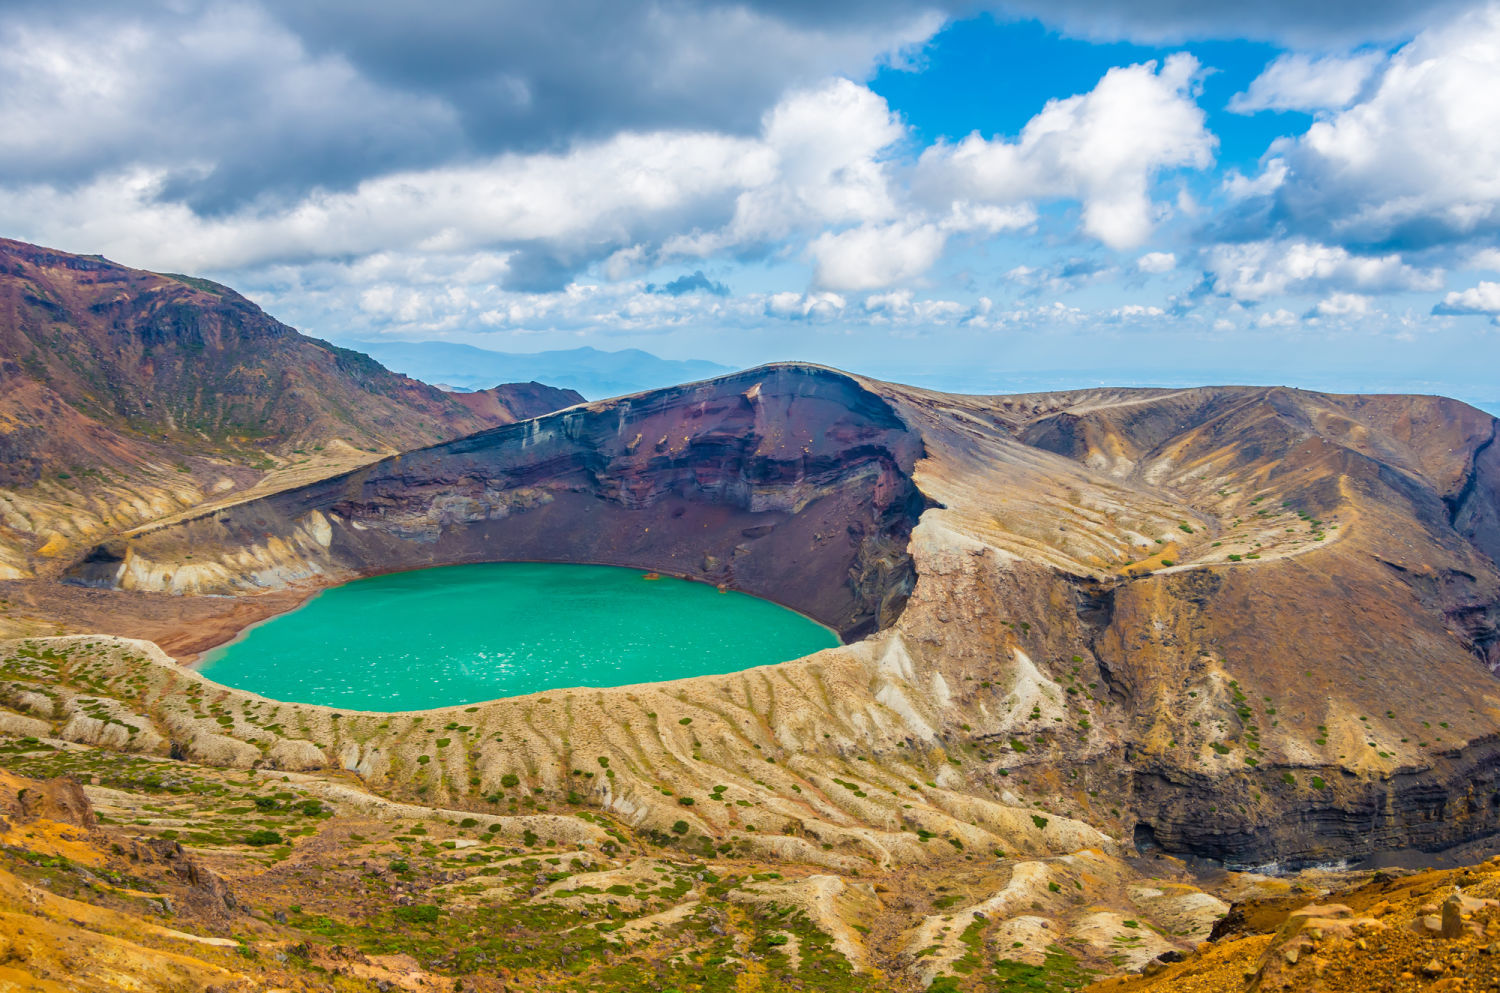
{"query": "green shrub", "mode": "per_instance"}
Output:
(417, 913)
(263, 837)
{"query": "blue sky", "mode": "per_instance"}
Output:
(999, 196)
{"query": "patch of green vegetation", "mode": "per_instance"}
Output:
(1058, 972)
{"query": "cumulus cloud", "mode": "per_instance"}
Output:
(554, 212)
(627, 200)
(1481, 299)
(1258, 270)
(1060, 277)
(1414, 162)
(1278, 318)
(1297, 81)
(228, 104)
(904, 306)
(1136, 312)
(482, 163)
(1156, 262)
(874, 256)
(805, 306)
(285, 97)
(1345, 305)
(1485, 258)
(1102, 148)
(827, 146)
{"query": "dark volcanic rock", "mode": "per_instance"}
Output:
(1254, 625)
(789, 482)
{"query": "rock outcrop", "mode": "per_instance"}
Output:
(792, 483)
(1255, 625)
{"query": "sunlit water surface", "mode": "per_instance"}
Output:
(463, 634)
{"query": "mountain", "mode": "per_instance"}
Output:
(127, 395)
(1099, 646)
(191, 363)
(511, 402)
(1219, 597)
(595, 374)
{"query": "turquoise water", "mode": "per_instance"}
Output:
(467, 633)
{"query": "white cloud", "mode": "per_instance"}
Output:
(1156, 262)
(251, 98)
(988, 218)
(1297, 81)
(903, 306)
(1238, 186)
(1417, 161)
(1261, 269)
(1344, 305)
(1135, 311)
(626, 200)
(875, 256)
(1279, 318)
(1481, 299)
(805, 306)
(826, 145)
(1102, 148)
(1485, 258)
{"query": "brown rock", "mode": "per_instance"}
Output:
(1452, 924)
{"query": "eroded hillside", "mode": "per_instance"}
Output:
(127, 396)
(1087, 632)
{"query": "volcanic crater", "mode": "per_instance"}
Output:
(1254, 625)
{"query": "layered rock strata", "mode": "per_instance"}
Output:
(1257, 625)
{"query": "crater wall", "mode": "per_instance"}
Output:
(789, 482)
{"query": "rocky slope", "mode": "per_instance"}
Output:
(794, 485)
(511, 402)
(1087, 633)
(1255, 625)
(128, 395)
(1433, 930)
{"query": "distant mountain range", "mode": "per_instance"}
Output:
(594, 373)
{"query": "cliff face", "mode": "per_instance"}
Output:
(790, 483)
(1257, 625)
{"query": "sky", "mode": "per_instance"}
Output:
(986, 197)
